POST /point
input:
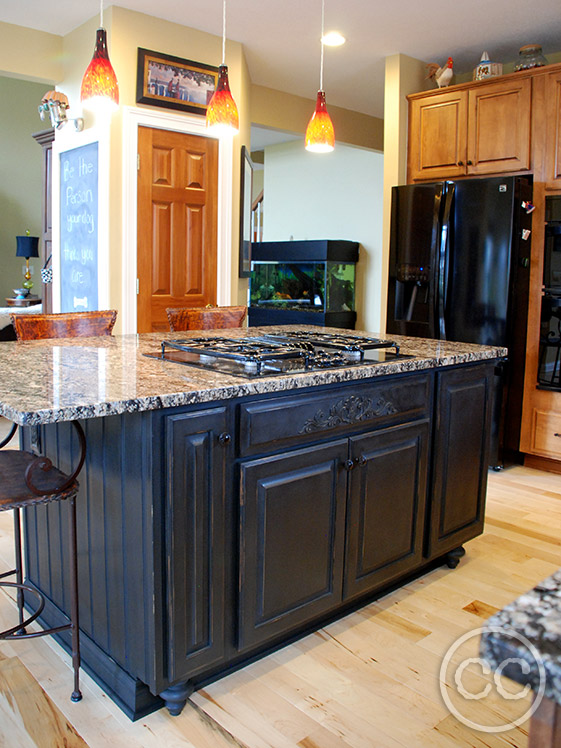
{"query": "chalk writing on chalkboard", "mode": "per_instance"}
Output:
(78, 228)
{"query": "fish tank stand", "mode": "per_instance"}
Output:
(308, 282)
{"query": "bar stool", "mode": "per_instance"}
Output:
(205, 318)
(28, 480)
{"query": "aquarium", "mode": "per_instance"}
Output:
(307, 286)
(308, 282)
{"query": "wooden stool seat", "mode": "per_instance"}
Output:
(25, 481)
(205, 318)
(14, 491)
(63, 325)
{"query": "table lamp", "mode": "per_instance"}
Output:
(27, 246)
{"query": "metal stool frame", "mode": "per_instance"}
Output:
(65, 488)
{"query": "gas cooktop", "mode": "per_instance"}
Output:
(278, 353)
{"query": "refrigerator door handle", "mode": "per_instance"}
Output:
(443, 253)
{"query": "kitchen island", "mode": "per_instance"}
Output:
(220, 517)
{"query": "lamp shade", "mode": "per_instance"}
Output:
(222, 113)
(320, 135)
(99, 81)
(27, 246)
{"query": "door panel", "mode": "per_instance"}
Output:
(414, 243)
(437, 136)
(499, 127)
(292, 519)
(195, 558)
(386, 506)
(460, 457)
(177, 224)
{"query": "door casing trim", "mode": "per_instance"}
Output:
(133, 118)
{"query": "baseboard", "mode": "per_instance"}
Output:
(542, 463)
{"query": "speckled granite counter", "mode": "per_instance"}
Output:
(59, 380)
(536, 616)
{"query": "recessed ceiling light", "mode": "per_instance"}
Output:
(333, 39)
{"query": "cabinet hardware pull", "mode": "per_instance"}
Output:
(557, 435)
(349, 465)
(460, 163)
(224, 438)
(469, 163)
(362, 461)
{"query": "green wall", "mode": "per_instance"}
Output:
(20, 178)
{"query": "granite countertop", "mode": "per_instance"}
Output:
(46, 381)
(536, 616)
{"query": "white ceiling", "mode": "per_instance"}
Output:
(281, 37)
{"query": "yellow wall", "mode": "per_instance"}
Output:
(403, 75)
(20, 180)
(283, 111)
(29, 54)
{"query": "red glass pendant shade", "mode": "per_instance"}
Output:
(222, 112)
(320, 135)
(99, 79)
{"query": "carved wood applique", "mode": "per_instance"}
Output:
(351, 410)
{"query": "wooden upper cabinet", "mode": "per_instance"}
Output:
(480, 128)
(438, 136)
(499, 127)
(553, 125)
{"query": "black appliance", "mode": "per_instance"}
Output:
(274, 354)
(549, 369)
(459, 270)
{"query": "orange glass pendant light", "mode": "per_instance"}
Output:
(222, 116)
(99, 84)
(320, 135)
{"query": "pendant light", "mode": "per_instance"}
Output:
(222, 113)
(320, 135)
(99, 84)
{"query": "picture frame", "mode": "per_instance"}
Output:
(174, 83)
(246, 193)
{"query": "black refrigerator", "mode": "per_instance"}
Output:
(459, 270)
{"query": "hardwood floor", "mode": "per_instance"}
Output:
(368, 680)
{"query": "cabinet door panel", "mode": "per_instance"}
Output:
(461, 449)
(437, 136)
(195, 517)
(386, 506)
(499, 127)
(553, 125)
(291, 540)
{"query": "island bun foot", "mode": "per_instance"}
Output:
(453, 557)
(175, 697)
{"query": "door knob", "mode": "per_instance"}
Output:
(349, 465)
(224, 438)
(361, 461)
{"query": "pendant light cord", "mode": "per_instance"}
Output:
(321, 58)
(224, 32)
(100, 14)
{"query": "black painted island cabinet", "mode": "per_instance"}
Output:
(210, 534)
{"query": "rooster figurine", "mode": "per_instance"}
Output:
(442, 75)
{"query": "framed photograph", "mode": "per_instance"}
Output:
(173, 83)
(246, 192)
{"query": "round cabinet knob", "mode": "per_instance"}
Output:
(362, 461)
(469, 163)
(460, 163)
(224, 438)
(349, 464)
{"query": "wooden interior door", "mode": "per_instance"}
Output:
(177, 224)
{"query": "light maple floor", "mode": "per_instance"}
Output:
(368, 680)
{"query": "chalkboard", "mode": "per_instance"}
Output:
(78, 228)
